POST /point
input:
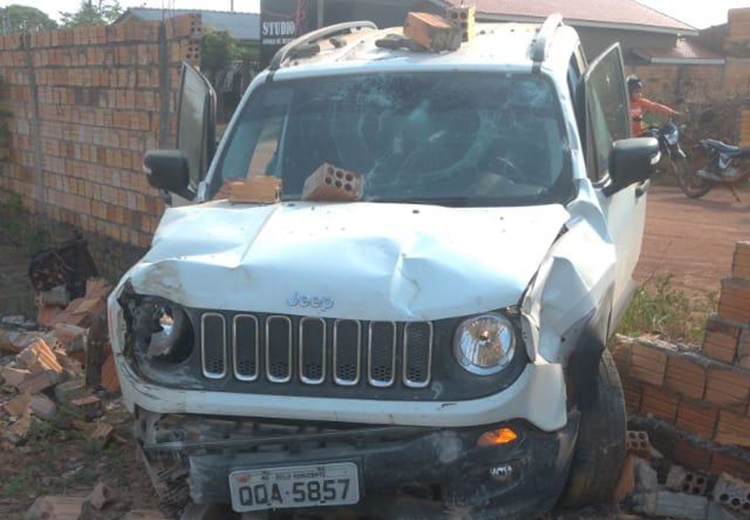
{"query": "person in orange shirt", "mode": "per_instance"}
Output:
(640, 106)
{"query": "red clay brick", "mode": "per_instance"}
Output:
(633, 397)
(648, 363)
(733, 429)
(696, 418)
(734, 301)
(743, 350)
(686, 375)
(660, 403)
(728, 388)
(622, 350)
(732, 463)
(692, 455)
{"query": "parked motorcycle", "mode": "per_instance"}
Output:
(716, 163)
(668, 136)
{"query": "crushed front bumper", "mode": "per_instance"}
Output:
(520, 479)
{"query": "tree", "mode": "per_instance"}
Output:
(22, 18)
(93, 12)
(218, 49)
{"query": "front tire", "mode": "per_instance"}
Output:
(600, 449)
(692, 185)
(678, 167)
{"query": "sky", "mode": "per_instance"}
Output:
(699, 14)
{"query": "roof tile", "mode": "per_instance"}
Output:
(625, 12)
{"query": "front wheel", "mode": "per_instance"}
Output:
(691, 184)
(600, 449)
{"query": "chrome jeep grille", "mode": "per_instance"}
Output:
(316, 351)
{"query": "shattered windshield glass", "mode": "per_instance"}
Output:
(454, 138)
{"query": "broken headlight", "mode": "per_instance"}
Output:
(484, 345)
(162, 330)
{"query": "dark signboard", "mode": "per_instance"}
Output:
(281, 21)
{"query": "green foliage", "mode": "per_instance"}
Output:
(93, 12)
(661, 309)
(23, 18)
(14, 486)
(218, 49)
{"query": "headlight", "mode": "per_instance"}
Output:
(484, 345)
(162, 330)
(671, 137)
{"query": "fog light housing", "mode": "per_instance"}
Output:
(497, 437)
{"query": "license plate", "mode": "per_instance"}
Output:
(299, 486)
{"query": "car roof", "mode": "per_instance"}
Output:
(509, 46)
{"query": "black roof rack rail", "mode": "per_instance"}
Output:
(312, 37)
(543, 39)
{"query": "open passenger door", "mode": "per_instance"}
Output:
(603, 113)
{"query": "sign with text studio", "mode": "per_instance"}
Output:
(281, 21)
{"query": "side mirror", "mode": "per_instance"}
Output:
(168, 170)
(631, 161)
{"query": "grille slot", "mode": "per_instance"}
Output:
(246, 347)
(214, 342)
(381, 354)
(417, 354)
(279, 349)
(312, 350)
(347, 350)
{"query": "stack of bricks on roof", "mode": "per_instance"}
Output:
(86, 104)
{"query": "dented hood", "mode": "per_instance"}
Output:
(371, 261)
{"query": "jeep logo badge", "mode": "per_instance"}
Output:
(314, 302)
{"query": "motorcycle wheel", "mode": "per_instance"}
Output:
(691, 183)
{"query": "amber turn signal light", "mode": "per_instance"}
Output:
(496, 437)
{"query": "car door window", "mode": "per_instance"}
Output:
(194, 123)
(606, 114)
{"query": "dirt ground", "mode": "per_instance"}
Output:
(690, 240)
(58, 460)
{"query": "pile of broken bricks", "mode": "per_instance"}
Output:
(653, 486)
(694, 407)
(65, 365)
(102, 503)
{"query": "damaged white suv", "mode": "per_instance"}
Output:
(435, 348)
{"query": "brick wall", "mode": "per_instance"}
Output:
(745, 127)
(695, 83)
(86, 104)
(704, 395)
(739, 27)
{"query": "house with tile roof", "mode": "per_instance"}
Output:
(712, 66)
(599, 22)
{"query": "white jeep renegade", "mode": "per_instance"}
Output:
(434, 349)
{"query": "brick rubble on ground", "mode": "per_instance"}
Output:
(52, 367)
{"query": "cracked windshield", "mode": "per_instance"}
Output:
(458, 139)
